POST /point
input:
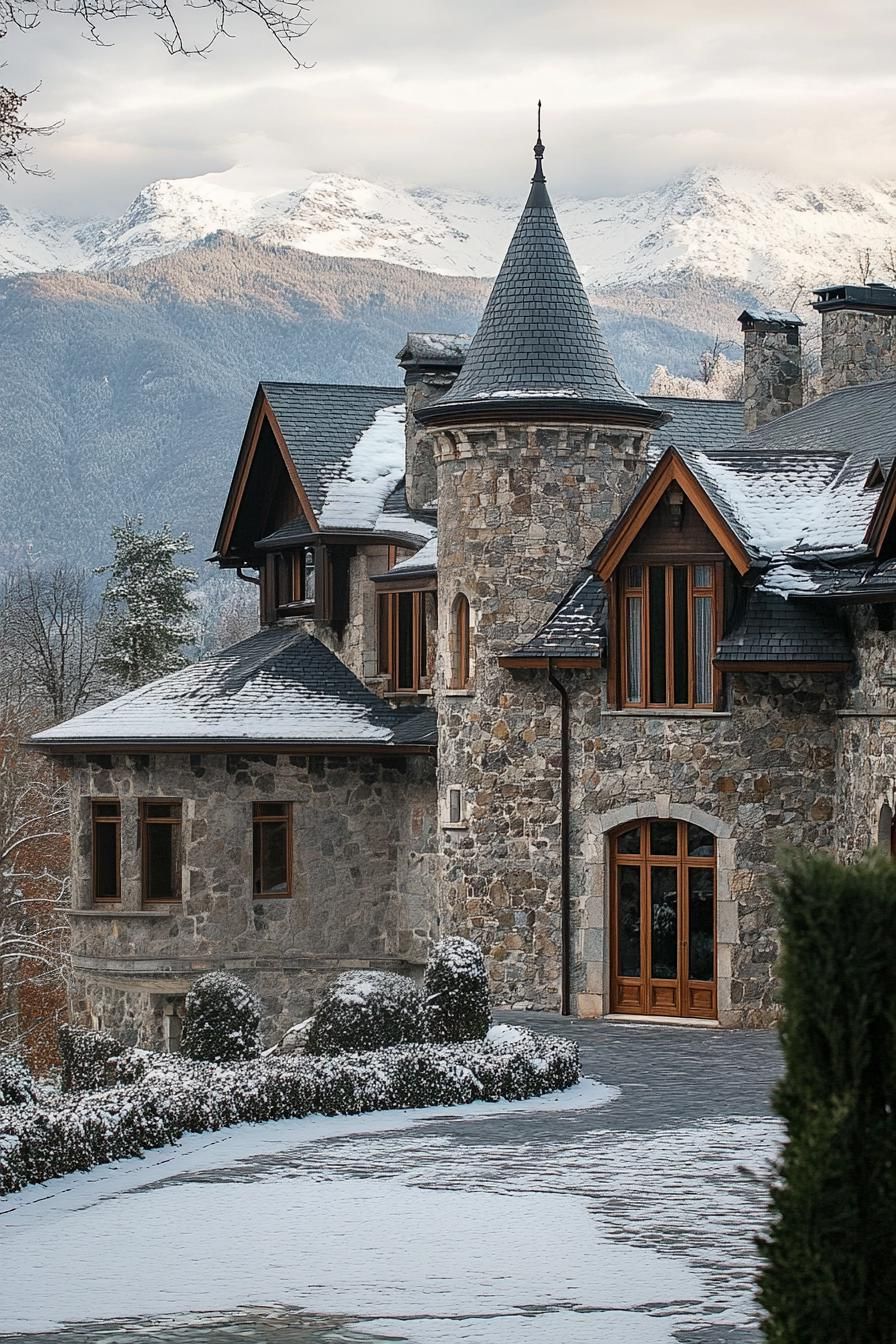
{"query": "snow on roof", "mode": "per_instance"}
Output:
(439, 346)
(758, 314)
(281, 685)
(425, 558)
(356, 494)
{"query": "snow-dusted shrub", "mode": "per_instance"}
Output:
(366, 1010)
(221, 1019)
(16, 1084)
(455, 992)
(85, 1057)
(173, 1096)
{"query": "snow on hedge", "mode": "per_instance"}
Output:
(158, 1098)
(366, 1010)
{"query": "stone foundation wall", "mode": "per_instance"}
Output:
(363, 874)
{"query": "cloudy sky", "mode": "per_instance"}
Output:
(442, 92)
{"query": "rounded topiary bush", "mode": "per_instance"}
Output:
(455, 992)
(221, 1021)
(16, 1084)
(85, 1057)
(366, 1010)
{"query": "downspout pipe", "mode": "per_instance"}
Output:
(247, 578)
(565, 906)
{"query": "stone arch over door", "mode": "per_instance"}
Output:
(592, 921)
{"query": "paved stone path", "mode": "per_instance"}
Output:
(674, 1167)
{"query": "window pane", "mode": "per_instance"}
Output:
(383, 618)
(462, 643)
(629, 921)
(703, 650)
(664, 923)
(633, 649)
(633, 576)
(629, 842)
(107, 810)
(405, 670)
(681, 691)
(700, 924)
(308, 591)
(161, 809)
(701, 845)
(703, 576)
(422, 650)
(454, 806)
(664, 837)
(656, 634)
(270, 860)
(162, 863)
(105, 861)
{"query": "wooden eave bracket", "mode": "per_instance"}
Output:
(670, 469)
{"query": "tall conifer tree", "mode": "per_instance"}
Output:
(149, 612)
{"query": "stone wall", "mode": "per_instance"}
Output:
(421, 388)
(866, 748)
(519, 508)
(356, 644)
(857, 347)
(363, 874)
(773, 376)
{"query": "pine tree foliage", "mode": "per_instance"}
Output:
(830, 1256)
(149, 611)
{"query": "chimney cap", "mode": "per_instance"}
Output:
(774, 318)
(876, 296)
(434, 350)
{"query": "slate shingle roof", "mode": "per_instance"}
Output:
(538, 336)
(577, 629)
(697, 425)
(321, 423)
(775, 629)
(281, 686)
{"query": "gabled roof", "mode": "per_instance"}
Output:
(282, 689)
(538, 340)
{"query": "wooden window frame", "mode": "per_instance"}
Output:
(461, 665)
(683, 862)
(146, 823)
(624, 590)
(95, 822)
(388, 634)
(259, 819)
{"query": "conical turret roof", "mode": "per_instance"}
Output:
(538, 341)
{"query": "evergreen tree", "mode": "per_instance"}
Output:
(149, 612)
(830, 1256)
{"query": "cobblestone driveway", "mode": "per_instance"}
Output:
(665, 1171)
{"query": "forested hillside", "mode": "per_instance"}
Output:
(129, 390)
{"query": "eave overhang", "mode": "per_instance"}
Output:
(882, 520)
(234, 746)
(547, 410)
(522, 662)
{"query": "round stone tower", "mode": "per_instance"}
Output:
(539, 444)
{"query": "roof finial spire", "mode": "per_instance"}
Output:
(539, 151)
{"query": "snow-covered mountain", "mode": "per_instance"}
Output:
(748, 228)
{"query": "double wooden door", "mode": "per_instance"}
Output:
(663, 920)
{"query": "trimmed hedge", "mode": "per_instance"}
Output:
(161, 1097)
(366, 1010)
(85, 1056)
(455, 991)
(16, 1084)
(222, 1016)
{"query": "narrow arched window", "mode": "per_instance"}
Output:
(460, 662)
(885, 830)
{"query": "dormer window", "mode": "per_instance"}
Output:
(405, 621)
(294, 577)
(668, 619)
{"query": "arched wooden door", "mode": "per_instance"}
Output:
(663, 920)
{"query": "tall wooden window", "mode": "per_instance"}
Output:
(106, 850)
(460, 651)
(160, 842)
(403, 646)
(294, 577)
(669, 618)
(271, 850)
(663, 919)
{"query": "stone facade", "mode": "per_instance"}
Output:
(866, 748)
(773, 374)
(857, 347)
(422, 386)
(363, 856)
(520, 506)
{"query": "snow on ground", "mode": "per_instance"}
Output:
(546, 1225)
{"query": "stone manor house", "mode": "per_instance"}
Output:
(540, 661)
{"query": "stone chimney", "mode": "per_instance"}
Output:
(773, 368)
(431, 363)
(858, 334)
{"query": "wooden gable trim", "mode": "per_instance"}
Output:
(883, 516)
(669, 469)
(261, 414)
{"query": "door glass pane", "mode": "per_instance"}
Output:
(405, 677)
(629, 842)
(701, 845)
(664, 837)
(664, 923)
(657, 633)
(703, 650)
(680, 634)
(633, 649)
(629, 922)
(700, 924)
